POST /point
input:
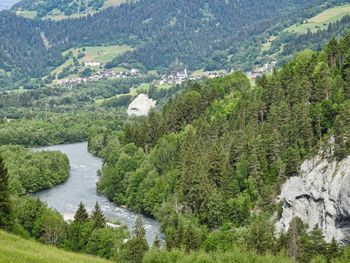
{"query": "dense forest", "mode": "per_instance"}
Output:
(208, 165)
(209, 161)
(31, 172)
(161, 31)
(221, 149)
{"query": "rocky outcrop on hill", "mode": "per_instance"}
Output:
(141, 105)
(320, 195)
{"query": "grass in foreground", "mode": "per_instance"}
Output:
(14, 249)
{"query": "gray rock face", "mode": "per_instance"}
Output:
(141, 106)
(320, 195)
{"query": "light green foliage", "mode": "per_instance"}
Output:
(322, 20)
(34, 171)
(17, 250)
(235, 255)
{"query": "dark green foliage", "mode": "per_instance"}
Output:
(221, 148)
(137, 246)
(97, 218)
(260, 236)
(81, 216)
(212, 35)
(5, 201)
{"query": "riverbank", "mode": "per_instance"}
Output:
(81, 187)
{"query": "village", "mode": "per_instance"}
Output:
(106, 74)
(173, 78)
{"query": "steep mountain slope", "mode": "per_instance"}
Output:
(162, 31)
(62, 9)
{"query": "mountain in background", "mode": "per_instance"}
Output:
(199, 34)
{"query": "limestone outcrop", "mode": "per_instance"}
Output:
(141, 105)
(319, 195)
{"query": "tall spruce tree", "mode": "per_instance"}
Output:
(5, 202)
(97, 217)
(137, 246)
(81, 216)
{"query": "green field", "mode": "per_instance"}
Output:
(57, 15)
(322, 20)
(101, 54)
(14, 249)
(143, 88)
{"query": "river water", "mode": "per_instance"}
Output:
(81, 187)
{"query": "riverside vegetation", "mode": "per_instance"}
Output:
(221, 149)
(208, 166)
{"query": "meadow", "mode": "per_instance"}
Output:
(14, 249)
(322, 20)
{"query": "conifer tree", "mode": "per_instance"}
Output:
(195, 184)
(260, 235)
(81, 216)
(332, 250)
(294, 245)
(97, 217)
(137, 246)
(5, 202)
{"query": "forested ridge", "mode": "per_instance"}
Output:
(221, 149)
(161, 31)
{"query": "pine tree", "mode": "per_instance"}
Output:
(294, 245)
(332, 250)
(81, 216)
(260, 235)
(195, 184)
(5, 202)
(97, 217)
(137, 246)
(314, 244)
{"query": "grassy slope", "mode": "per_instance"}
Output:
(102, 54)
(57, 15)
(14, 249)
(322, 20)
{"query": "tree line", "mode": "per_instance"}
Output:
(221, 149)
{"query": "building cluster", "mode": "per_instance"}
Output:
(181, 76)
(173, 78)
(106, 74)
(259, 71)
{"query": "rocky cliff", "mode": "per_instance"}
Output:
(141, 106)
(320, 195)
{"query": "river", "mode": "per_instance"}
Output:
(81, 187)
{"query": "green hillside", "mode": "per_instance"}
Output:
(322, 20)
(59, 10)
(14, 249)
